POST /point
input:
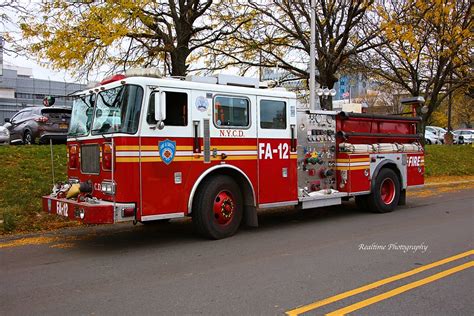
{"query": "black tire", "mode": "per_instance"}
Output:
(361, 202)
(385, 192)
(214, 193)
(428, 142)
(403, 197)
(28, 138)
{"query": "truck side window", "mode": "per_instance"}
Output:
(176, 109)
(231, 112)
(272, 114)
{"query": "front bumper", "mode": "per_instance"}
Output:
(100, 212)
(4, 140)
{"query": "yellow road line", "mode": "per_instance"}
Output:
(401, 289)
(338, 297)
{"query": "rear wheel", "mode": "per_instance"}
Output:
(386, 192)
(217, 208)
(28, 138)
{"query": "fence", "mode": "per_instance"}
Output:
(8, 112)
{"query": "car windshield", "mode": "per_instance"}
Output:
(81, 116)
(117, 110)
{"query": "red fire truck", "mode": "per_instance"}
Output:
(143, 148)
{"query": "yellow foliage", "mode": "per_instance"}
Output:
(439, 118)
(427, 25)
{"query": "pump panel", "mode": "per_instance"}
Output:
(316, 151)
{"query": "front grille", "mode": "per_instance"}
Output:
(90, 155)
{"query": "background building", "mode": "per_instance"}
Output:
(18, 89)
(350, 87)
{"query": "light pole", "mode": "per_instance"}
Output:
(312, 57)
(325, 92)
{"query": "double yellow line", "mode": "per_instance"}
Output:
(396, 291)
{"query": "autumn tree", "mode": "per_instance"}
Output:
(7, 10)
(462, 111)
(81, 36)
(428, 45)
(279, 34)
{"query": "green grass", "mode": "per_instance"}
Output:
(457, 160)
(25, 176)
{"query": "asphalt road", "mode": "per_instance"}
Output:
(293, 259)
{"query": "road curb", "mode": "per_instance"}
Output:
(438, 184)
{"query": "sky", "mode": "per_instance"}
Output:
(39, 72)
(39, 69)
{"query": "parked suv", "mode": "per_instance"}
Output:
(39, 124)
(431, 138)
(438, 131)
(465, 135)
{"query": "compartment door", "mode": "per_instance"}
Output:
(277, 182)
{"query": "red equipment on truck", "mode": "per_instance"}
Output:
(220, 148)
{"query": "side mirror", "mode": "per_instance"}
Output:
(49, 101)
(7, 120)
(160, 109)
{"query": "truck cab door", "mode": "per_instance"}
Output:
(165, 155)
(277, 165)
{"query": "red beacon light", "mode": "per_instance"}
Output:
(112, 79)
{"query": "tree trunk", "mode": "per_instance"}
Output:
(178, 61)
(326, 102)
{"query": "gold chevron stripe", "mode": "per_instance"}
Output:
(353, 168)
(354, 160)
(189, 158)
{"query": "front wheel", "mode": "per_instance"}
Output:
(217, 208)
(385, 193)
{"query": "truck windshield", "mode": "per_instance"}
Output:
(81, 116)
(117, 110)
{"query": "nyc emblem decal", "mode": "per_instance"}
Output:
(167, 150)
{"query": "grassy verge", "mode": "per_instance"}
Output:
(449, 160)
(25, 175)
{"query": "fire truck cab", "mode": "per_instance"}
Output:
(142, 148)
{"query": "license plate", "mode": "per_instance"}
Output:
(63, 126)
(62, 209)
